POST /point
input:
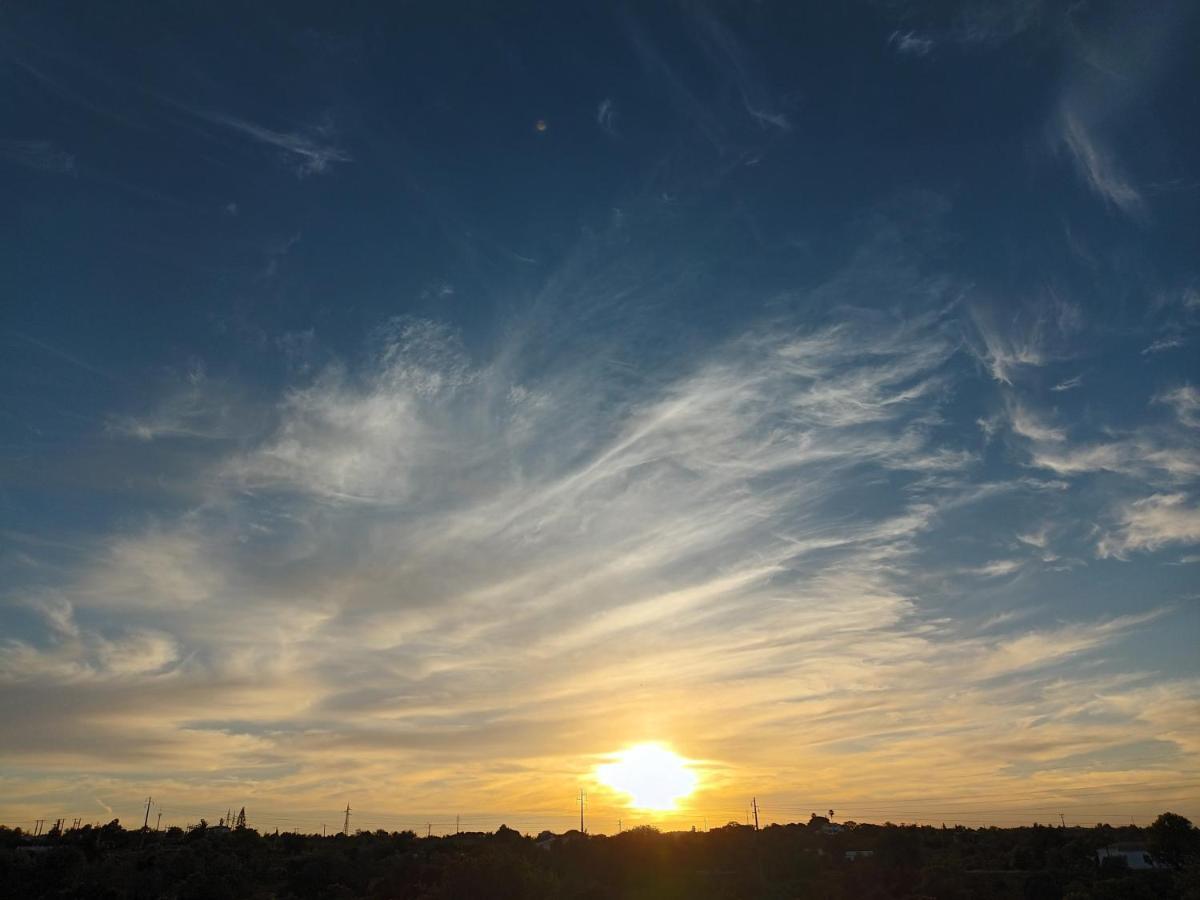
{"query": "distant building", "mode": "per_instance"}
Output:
(1129, 855)
(858, 854)
(33, 850)
(548, 839)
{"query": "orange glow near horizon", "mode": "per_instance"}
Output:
(653, 777)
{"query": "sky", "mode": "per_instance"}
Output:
(410, 406)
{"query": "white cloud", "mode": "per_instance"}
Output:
(1170, 342)
(1185, 401)
(1138, 455)
(1152, 523)
(306, 154)
(138, 653)
(1068, 384)
(606, 115)
(87, 656)
(1036, 649)
(997, 568)
(43, 156)
(1027, 424)
(910, 43)
(422, 552)
(1096, 165)
(732, 60)
(1039, 538)
(1032, 337)
(192, 409)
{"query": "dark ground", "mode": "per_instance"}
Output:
(791, 861)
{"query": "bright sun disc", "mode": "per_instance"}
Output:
(652, 776)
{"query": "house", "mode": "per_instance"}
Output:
(548, 839)
(32, 850)
(1127, 855)
(824, 825)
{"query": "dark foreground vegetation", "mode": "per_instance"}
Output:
(791, 861)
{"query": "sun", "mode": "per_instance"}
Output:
(654, 777)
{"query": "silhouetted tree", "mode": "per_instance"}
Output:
(779, 862)
(1173, 840)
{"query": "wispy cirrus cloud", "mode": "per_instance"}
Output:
(43, 156)
(1144, 454)
(1168, 342)
(733, 60)
(910, 43)
(432, 544)
(756, 467)
(1185, 402)
(1068, 384)
(997, 568)
(1036, 334)
(1151, 523)
(305, 152)
(1157, 456)
(195, 409)
(1028, 424)
(606, 116)
(1097, 166)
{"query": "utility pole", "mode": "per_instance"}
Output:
(619, 826)
(346, 825)
(582, 801)
(159, 822)
(146, 821)
(457, 826)
(1062, 819)
(322, 829)
(428, 829)
(754, 801)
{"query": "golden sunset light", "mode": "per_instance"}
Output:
(652, 776)
(686, 450)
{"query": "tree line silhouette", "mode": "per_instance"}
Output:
(863, 862)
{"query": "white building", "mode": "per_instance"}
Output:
(1135, 856)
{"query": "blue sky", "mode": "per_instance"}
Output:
(410, 407)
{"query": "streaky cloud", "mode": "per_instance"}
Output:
(42, 156)
(306, 154)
